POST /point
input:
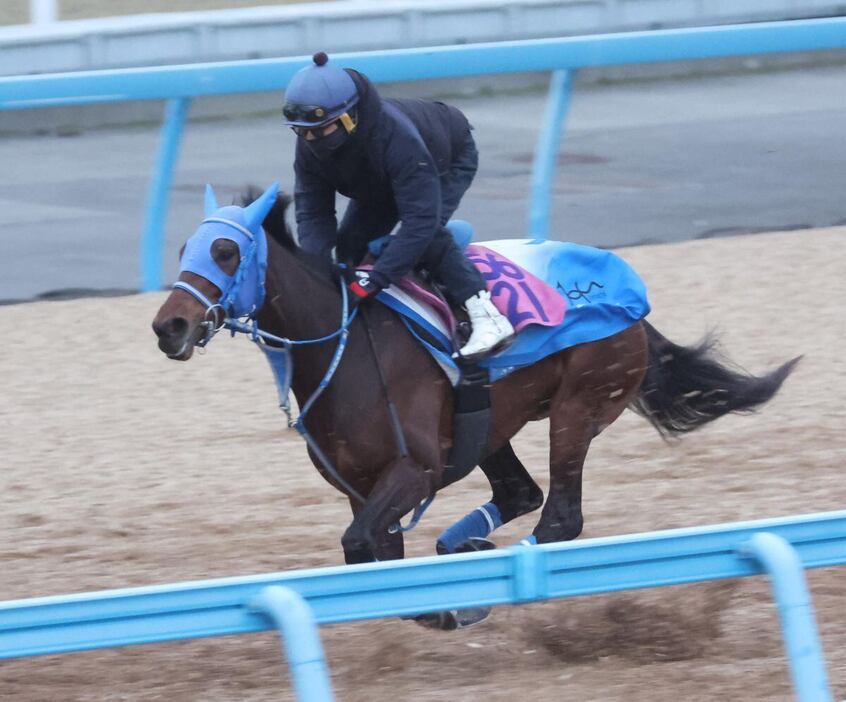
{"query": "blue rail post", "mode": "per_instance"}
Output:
(152, 239)
(301, 640)
(546, 155)
(529, 573)
(796, 612)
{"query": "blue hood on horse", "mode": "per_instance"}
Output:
(242, 293)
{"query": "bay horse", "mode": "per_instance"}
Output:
(581, 389)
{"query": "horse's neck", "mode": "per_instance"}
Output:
(298, 305)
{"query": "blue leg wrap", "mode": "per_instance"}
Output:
(529, 540)
(479, 523)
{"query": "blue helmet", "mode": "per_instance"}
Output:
(318, 94)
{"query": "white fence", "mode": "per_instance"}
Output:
(355, 25)
(43, 11)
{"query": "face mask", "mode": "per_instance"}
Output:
(325, 147)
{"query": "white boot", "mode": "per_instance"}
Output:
(490, 327)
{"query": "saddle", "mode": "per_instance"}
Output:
(520, 295)
(556, 295)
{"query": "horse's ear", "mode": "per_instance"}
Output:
(258, 210)
(210, 205)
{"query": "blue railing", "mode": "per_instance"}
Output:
(179, 84)
(295, 601)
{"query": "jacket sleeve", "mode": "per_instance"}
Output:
(417, 193)
(314, 202)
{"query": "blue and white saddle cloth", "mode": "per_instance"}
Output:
(604, 296)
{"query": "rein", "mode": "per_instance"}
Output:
(396, 426)
(278, 349)
(281, 360)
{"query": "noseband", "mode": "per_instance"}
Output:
(237, 299)
(211, 326)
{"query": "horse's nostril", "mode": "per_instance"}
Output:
(178, 325)
(170, 327)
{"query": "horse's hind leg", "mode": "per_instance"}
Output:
(570, 435)
(514, 493)
(400, 488)
(604, 375)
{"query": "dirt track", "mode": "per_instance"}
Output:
(123, 468)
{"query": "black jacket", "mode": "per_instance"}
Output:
(398, 153)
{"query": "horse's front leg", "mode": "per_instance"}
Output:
(400, 488)
(389, 545)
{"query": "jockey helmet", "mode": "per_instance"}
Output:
(319, 94)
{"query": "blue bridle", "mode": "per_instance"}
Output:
(242, 295)
(243, 292)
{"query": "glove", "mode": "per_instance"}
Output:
(365, 284)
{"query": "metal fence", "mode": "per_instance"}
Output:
(179, 84)
(295, 602)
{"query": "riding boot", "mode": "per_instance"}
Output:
(491, 328)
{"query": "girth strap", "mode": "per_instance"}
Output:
(396, 425)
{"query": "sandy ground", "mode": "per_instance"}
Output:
(123, 468)
(17, 11)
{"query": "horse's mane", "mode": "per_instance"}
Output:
(276, 227)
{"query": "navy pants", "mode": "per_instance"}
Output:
(445, 262)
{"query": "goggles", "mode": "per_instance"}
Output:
(312, 132)
(302, 115)
(349, 120)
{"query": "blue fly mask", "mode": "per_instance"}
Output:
(242, 294)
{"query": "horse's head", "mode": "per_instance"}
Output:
(221, 275)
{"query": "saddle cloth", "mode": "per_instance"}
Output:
(556, 295)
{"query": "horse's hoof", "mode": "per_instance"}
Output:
(457, 618)
(453, 619)
(475, 543)
(442, 621)
(470, 616)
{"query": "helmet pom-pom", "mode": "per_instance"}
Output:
(320, 58)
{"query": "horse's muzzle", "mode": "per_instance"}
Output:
(176, 339)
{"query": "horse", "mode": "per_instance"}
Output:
(385, 377)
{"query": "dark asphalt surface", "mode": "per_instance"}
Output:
(648, 161)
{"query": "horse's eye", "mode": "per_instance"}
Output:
(226, 254)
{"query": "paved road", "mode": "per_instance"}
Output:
(642, 162)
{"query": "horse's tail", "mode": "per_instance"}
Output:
(688, 386)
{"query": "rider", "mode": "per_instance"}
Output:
(398, 160)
